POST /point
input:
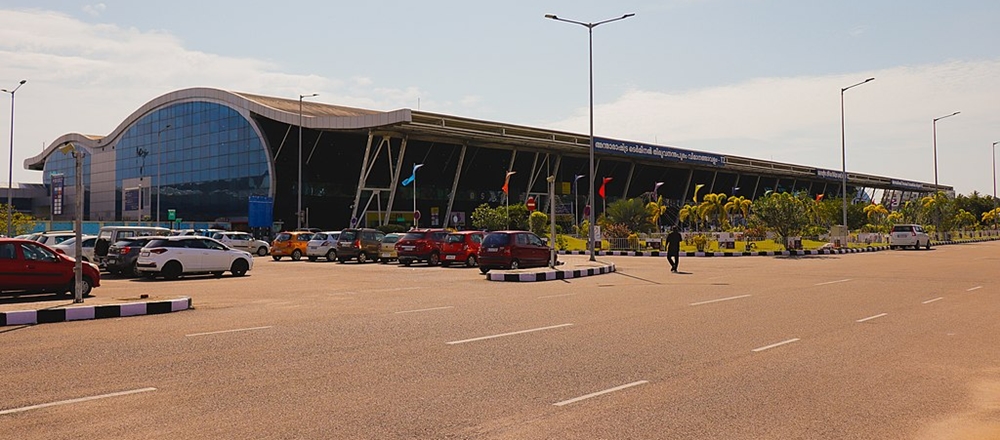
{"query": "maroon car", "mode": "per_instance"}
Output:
(30, 267)
(421, 245)
(512, 250)
(461, 247)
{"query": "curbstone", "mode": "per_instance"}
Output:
(550, 275)
(45, 316)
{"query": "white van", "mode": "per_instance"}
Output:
(903, 236)
(110, 235)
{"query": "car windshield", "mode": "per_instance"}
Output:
(496, 239)
(902, 228)
(392, 238)
(284, 236)
(455, 238)
(414, 236)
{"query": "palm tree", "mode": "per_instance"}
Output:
(713, 206)
(656, 210)
(738, 204)
(689, 213)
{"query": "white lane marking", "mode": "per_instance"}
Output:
(609, 390)
(556, 296)
(719, 300)
(974, 288)
(872, 317)
(426, 310)
(230, 331)
(768, 347)
(507, 334)
(932, 300)
(397, 289)
(833, 282)
(77, 400)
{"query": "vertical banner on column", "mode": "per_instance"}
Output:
(260, 212)
(58, 185)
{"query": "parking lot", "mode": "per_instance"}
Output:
(891, 344)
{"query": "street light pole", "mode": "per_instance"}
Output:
(159, 153)
(843, 149)
(934, 128)
(590, 33)
(576, 201)
(10, 170)
(298, 210)
(995, 182)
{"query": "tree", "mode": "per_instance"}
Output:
(712, 209)
(964, 220)
(877, 215)
(500, 218)
(629, 212)
(739, 205)
(656, 210)
(689, 213)
(783, 213)
(938, 210)
(538, 222)
(22, 223)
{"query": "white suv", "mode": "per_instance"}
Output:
(909, 235)
(243, 241)
(171, 257)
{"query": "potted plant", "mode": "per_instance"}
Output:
(700, 241)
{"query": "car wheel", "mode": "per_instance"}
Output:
(514, 264)
(172, 270)
(313, 258)
(88, 286)
(928, 246)
(149, 275)
(406, 262)
(134, 269)
(434, 259)
(261, 251)
(217, 274)
(362, 258)
(275, 257)
(341, 260)
(239, 268)
(471, 261)
(296, 255)
(331, 255)
(483, 270)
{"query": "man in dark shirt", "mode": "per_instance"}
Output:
(673, 248)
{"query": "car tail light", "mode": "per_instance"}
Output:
(357, 244)
(157, 251)
(124, 250)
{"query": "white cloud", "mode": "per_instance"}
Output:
(95, 10)
(797, 120)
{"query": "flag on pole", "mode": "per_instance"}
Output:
(413, 176)
(657, 186)
(696, 189)
(819, 197)
(606, 180)
(506, 181)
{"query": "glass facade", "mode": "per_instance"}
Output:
(207, 157)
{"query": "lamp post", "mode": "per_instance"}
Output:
(77, 153)
(934, 128)
(10, 170)
(159, 153)
(995, 182)
(298, 211)
(843, 149)
(590, 32)
(576, 200)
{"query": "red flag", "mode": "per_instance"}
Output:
(819, 197)
(606, 180)
(506, 181)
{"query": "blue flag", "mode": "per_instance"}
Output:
(413, 176)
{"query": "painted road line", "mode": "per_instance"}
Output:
(396, 289)
(872, 317)
(833, 282)
(719, 300)
(768, 347)
(932, 300)
(230, 331)
(556, 296)
(609, 390)
(507, 334)
(974, 288)
(71, 401)
(426, 310)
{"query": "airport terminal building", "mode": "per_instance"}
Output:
(212, 155)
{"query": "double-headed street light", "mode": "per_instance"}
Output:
(298, 212)
(10, 170)
(843, 147)
(590, 32)
(934, 124)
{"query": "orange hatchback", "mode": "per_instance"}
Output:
(290, 244)
(462, 247)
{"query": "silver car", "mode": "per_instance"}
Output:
(323, 244)
(242, 241)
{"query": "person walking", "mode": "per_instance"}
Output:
(673, 248)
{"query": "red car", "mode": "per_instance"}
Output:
(512, 250)
(31, 267)
(421, 245)
(461, 247)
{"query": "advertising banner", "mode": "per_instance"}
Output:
(634, 149)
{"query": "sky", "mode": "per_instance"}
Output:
(751, 78)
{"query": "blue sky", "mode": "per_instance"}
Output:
(752, 78)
